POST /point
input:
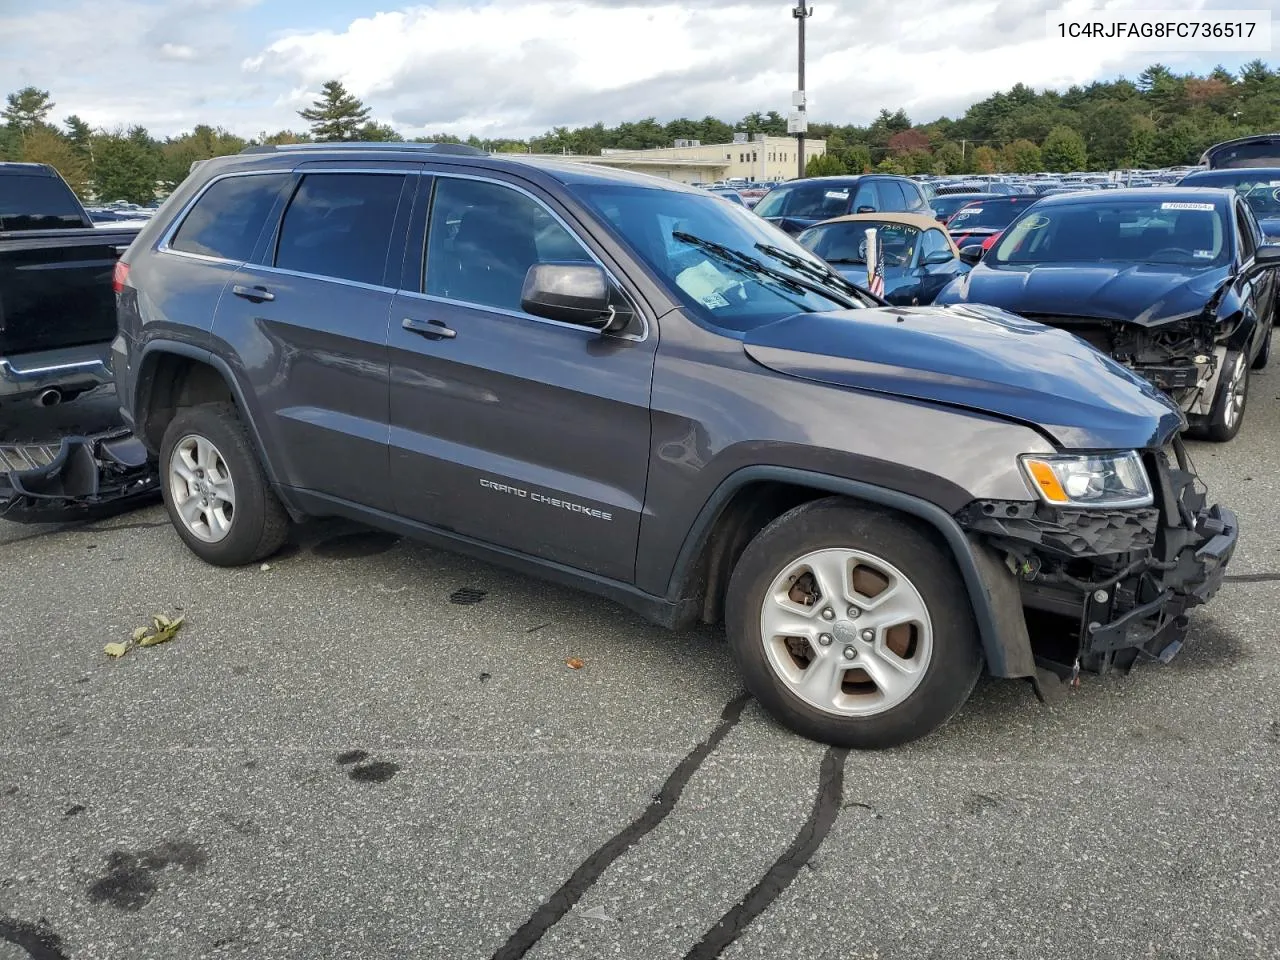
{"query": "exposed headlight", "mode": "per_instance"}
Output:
(1110, 480)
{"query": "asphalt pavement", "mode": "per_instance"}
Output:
(370, 748)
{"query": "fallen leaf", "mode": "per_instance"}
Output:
(116, 649)
(265, 567)
(575, 663)
(139, 633)
(597, 913)
(164, 634)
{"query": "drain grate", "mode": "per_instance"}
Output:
(467, 596)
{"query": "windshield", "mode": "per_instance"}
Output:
(36, 203)
(676, 234)
(1186, 233)
(987, 213)
(812, 200)
(847, 242)
(1260, 189)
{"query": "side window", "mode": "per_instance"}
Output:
(916, 196)
(934, 242)
(339, 225)
(892, 194)
(229, 216)
(483, 238)
(1244, 232)
(868, 196)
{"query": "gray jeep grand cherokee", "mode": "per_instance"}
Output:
(638, 389)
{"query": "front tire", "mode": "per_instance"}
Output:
(851, 626)
(214, 489)
(1230, 399)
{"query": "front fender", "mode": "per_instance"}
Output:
(993, 590)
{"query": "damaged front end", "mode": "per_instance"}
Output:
(1180, 357)
(75, 478)
(1104, 587)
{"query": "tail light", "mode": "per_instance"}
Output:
(120, 277)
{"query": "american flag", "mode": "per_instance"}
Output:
(875, 264)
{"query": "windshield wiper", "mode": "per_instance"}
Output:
(749, 264)
(828, 278)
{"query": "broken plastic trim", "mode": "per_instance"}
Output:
(87, 477)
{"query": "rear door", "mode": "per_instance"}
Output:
(507, 428)
(307, 325)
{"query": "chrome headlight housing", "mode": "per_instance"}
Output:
(1106, 481)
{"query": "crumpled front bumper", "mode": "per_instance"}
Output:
(1125, 579)
(75, 478)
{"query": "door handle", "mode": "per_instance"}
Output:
(431, 329)
(253, 294)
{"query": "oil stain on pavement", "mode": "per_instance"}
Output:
(379, 771)
(130, 881)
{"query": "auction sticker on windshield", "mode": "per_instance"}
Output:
(1207, 207)
(1035, 222)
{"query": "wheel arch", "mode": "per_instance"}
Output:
(749, 499)
(172, 375)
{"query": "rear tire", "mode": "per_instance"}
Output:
(214, 488)
(882, 646)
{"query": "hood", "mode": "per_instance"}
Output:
(1145, 294)
(980, 358)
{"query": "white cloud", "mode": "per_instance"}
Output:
(517, 67)
(177, 51)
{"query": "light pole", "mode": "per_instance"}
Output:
(801, 14)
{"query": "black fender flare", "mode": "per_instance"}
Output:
(992, 587)
(201, 355)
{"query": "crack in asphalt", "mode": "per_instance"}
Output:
(826, 807)
(591, 869)
(37, 940)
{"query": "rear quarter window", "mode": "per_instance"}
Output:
(229, 216)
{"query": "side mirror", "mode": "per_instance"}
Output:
(971, 254)
(578, 293)
(1267, 255)
(938, 256)
(865, 208)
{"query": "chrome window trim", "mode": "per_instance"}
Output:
(426, 251)
(283, 272)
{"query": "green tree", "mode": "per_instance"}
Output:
(26, 109)
(985, 160)
(890, 165)
(1022, 156)
(44, 144)
(950, 157)
(1140, 151)
(375, 132)
(858, 158)
(1064, 151)
(281, 136)
(79, 133)
(125, 169)
(825, 165)
(336, 114)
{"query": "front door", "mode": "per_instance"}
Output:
(509, 429)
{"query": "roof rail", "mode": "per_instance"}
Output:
(458, 149)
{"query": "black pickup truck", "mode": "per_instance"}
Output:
(57, 308)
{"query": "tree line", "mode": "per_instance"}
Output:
(1160, 119)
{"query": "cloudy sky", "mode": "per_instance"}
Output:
(517, 67)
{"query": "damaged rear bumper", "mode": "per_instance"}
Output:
(1124, 580)
(75, 478)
